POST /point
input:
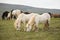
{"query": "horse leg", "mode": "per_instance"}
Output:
(29, 27)
(36, 27)
(46, 25)
(17, 25)
(33, 27)
(8, 18)
(3, 17)
(15, 17)
(24, 25)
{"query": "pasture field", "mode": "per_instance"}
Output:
(8, 32)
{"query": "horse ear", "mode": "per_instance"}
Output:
(12, 10)
(21, 11)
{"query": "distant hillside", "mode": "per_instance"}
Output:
(8, 7)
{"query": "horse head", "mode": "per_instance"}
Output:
(50, 14)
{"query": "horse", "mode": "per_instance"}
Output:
(10, 16)
(30, 24)
(35, 20)
(5, 14)
(56, 15)
(23, 17)
(14, 14)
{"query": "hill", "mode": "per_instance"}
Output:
(8, 7)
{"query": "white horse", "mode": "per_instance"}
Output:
(22, 18)
(14, 13)
(30, 23)
(35, 20)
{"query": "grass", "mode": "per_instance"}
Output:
(8, 32)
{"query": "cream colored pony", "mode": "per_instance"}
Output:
(22, 18)
(30, 23)
(44, 18)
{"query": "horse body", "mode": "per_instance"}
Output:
(56, 15)
(23, 18)
(44, 18)
(33, 19)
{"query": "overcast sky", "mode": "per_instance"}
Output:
(51, 4)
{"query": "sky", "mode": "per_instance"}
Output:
(50, 4)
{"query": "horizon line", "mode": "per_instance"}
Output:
(30, 6)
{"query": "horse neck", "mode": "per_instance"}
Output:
(50, 14)
(11, 14)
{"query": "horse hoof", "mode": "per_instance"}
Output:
(36, 31)
(18, 29)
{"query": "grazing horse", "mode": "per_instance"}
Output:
(22, 18)
(35, 20)
(4, 15)
(30, 24)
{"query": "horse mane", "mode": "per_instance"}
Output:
(11, 12)
(50, 14)
(21, 11)
(26, 13)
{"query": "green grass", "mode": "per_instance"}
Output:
(8, 32)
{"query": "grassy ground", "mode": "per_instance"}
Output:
(8, 32)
